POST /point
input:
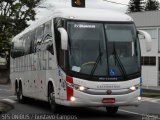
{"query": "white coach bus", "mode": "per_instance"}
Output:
(79, 57)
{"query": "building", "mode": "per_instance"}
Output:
(149, 21)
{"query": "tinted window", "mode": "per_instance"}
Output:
(47, 39)
(32, 39)
(148, 61)
(39, 37)
(18, 48)
(26, 43)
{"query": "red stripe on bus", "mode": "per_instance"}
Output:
(69, 93)
(69, 79)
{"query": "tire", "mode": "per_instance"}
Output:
(112, 110)
(51, 99)
(20, 97)
(16, 88)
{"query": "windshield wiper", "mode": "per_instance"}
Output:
(97, 61)
(121, 67)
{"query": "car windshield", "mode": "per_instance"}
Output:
(102, 49)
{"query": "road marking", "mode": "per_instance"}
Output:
(5, 90)
(9, 100)
(13, 96)
(130, 112)
(151, 116)
(8, 97)
(153, 100)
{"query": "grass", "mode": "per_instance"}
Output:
(4, 107)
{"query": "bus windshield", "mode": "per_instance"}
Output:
(103, 49)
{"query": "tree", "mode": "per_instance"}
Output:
(136, 6)
(14, 15)
(152, 5)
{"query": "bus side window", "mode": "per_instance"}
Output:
(26, 43)
(32, 40)
(12, 50)
(39, 38)
(18, 48)
(47, 40)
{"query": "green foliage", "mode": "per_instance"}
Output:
(152, 5)
(136, 6)
(14, 15)
(140, 5)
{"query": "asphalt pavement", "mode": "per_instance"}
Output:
(149, 109)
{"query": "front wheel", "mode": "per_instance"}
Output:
(112, 110)
(51, 99)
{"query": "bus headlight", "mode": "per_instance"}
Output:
(135, 87)
(81, 88)
(73, 99)
(77, 87)
(139, 98)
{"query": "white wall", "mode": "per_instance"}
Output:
(150, 73)
(149, 76)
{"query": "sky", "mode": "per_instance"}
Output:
(42, 12)
(89, 3)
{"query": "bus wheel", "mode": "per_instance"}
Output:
(51, 98)
(112, 110)
(16, 88)
(20, 97)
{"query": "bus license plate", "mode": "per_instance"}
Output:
(108, 100)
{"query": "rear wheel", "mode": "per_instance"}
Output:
(16, 88)
(20, 97)
(112, 110)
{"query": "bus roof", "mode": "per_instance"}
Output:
(92, 14)
(88, 14)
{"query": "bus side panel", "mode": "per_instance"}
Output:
(12, 77)
(39, 86)
(52, 73)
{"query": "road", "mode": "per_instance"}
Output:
(149, 109)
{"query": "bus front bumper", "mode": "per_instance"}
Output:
(81, 99)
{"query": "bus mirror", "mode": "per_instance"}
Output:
(148, 39)
(64, 38)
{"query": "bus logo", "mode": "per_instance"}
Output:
(109, 92)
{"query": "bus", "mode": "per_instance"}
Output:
(79, 57)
